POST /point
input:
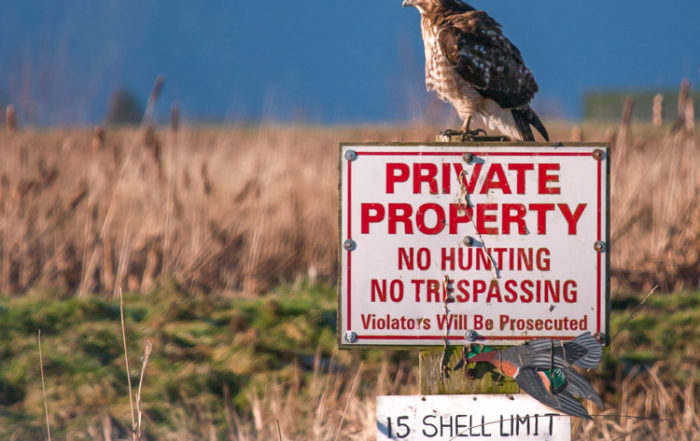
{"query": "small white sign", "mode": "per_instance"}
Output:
(454, 417)
(489, 244)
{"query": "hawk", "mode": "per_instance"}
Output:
(470, 64)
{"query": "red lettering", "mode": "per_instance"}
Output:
(542, 259)
(447, 259)
(446, 181)
(520, 170)
(496, 179)
(545, 177)
(371, 213)
(378, 291)
(471, 183)
(571, 219)
(433, 290)
(570, 292)
(518, 217)
(525, 287)
(479, 288)
(440, 219)
(541, 210)
(417, 284)
(483, 215)
(425, 173)
(458, 215)
(511, 295)
(494, 292)
(462, 286)
(393, 177)
(423, 258)
(403, 217)
(405, 258)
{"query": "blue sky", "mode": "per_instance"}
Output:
(322, 61)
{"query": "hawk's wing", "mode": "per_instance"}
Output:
(474, 44)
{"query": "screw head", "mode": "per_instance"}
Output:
(600, 336)
(349, 245)
(468, 241)
(471, 335)
(598, 154)
(468, 157)
(350, 336)
(350, 155)
(599, 246)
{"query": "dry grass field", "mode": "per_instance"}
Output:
(231, 213)
(646, 407)
(242, 209)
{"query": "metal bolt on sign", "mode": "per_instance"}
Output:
(349, 245)
(600, 336)
(599, 246)
(350, 336)
(350, 155)
(468, 241)
(598, 154)
(471, 335)
(468, 157)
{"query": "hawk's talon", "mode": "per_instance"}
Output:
(466, 135)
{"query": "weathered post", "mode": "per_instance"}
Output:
(455, 248)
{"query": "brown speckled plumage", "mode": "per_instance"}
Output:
(472, 65)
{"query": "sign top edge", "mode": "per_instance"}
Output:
(475, 144)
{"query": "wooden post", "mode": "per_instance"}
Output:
(485, 381)
(436, 365)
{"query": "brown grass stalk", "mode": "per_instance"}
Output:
(144, 363)
(43, 389)
(243, 209)
(128, 371)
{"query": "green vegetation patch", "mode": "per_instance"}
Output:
(214, 351)
(204, 347)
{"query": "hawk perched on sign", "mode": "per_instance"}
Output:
(470, 64)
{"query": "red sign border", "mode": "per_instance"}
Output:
(440, 338)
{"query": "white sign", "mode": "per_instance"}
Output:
(452, 417)
(491, 244)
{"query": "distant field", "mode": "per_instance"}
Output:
(233, 367)
(243, 209)
(225, 243)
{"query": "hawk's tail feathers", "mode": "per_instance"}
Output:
(524, 117)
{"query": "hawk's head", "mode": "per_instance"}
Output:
(424, 6)
(430, 6)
